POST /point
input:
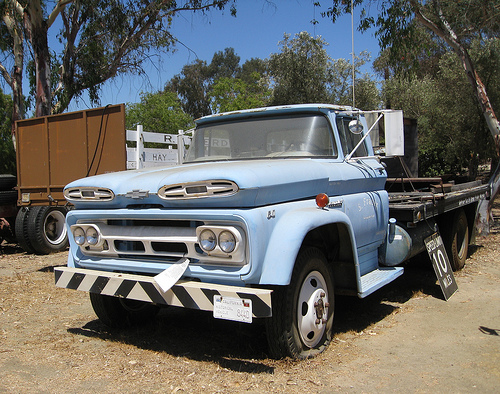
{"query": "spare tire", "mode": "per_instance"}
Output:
(8, 197)
(47, 229)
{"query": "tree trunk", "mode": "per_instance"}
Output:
(36, 31)
(42, 67)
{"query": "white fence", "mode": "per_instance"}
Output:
(141, 157)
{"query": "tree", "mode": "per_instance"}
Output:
(191, 85)
(99, 40)
(159, 112)
(206, 88)
(7, 154)
(300, 72)
(232, 94)
(454, 23)
(367, 95)
(453, 136)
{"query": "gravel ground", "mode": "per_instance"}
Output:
(405, 337)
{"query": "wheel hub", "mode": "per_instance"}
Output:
(312, 311)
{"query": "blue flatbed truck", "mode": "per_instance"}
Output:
(274, 211)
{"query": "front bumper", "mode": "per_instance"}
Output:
(185, 293)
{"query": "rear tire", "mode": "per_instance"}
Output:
(47, 229)
(117, 312)
(301, 325)
(21, 230)
(456, 240)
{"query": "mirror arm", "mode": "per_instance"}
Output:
(348, 157)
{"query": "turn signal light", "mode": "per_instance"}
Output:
(322, 200)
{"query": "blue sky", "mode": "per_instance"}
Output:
(254, 32)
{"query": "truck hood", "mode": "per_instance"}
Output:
(255, 183)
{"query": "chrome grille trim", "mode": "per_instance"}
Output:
(184, 191)
(88, 194)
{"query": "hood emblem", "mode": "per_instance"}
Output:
(137, 194)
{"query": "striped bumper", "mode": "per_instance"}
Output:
(186, 294)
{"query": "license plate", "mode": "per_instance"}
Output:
(230, 308)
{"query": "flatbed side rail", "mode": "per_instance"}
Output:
(185, 293)
(417, 206)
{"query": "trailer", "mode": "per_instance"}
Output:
(50, 152)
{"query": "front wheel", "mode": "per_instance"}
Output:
(301, 325)
(117, 312)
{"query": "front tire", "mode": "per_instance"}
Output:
(117, 312)
(301, 325)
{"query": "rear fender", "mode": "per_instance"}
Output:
(288, 236)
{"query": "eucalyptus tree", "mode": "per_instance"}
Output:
(98, 40)
(454, 24)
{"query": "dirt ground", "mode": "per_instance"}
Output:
(405, 337)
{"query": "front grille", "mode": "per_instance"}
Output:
(154, 240)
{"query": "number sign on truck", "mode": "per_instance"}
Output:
(441, 265)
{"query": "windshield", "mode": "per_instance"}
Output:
(265, 137)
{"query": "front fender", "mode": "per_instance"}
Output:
(287, 237)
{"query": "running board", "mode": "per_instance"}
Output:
(378, 278)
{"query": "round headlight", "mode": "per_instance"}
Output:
(92, 236)
(227, 241)
(79, 236)
(208, 240)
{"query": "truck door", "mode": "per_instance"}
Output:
(365, 200)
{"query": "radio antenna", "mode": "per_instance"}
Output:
(352, 55)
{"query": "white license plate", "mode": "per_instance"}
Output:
(230, 308)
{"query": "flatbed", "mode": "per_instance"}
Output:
(432, 201)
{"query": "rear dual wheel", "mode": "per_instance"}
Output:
(301, 325)
(42, 229)
(456, 240)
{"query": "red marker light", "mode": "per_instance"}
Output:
(322, 200)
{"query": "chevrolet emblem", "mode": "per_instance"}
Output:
(137, 194)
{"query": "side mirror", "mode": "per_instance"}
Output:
(394, 133)
(355, 126)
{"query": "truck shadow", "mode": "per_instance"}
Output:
(243, 347)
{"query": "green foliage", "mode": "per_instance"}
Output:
(367, 94)
(300, 72)
(99, 40)
(453, 135)
(231, 94)
(7, 153)
(206, 88)
(159, 113)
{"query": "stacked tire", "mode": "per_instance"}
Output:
(8, 197)
(7, 193)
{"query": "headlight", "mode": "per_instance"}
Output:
(227, 241)
(208, 240)
(92, 236)
(79, 236)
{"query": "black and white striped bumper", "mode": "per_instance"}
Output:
(186, 294)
